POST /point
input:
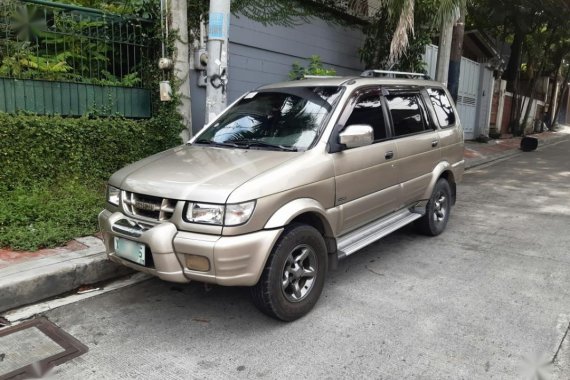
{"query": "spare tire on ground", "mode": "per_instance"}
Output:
(529, 144)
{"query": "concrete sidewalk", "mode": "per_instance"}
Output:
(482, 153)
(26, 278)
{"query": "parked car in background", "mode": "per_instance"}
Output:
(289, 179)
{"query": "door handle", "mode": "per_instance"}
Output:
(434, 143)
(389, 155)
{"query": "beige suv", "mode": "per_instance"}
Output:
(289, 179)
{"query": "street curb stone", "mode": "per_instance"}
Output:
(36, 280)
(32, 281)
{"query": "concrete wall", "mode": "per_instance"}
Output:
(260, 55)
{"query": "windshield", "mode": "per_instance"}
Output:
(284, 119)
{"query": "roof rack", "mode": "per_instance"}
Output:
(393, 74)
(320, 76)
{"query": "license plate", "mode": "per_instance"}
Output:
(130, 250)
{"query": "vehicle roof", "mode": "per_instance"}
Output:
(352, 81)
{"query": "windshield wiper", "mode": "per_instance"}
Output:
(215, 143)
(248, 142)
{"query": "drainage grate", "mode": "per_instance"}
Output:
(32, 348)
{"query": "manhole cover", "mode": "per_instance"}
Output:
(30, 349)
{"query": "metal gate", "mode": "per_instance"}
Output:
(467, 96)
(469, 82)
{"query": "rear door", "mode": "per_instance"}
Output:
(450, 136)
(417, 142)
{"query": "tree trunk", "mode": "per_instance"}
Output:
(552, 97)
(179, 23)
(456, 54)
(543, 59)
(444, 51)
(514, 64)
(561, 96)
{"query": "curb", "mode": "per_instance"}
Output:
(473, 163)
(28, 282)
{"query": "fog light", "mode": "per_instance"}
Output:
(199, 263)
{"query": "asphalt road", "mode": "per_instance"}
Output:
(486, 299)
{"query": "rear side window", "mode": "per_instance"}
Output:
(406, 112)
(368, 110)
(442, 107)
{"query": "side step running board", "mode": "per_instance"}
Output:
(368, 234)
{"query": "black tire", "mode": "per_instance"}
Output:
(288, 302)
(438, 209)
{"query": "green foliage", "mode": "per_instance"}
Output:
(275, 12)
(54, 170)
(315, 68)
(44, 215)
(45, 42)
(379, 34)
(37, 149)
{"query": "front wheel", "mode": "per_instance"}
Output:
(437, 211)
(294, 275)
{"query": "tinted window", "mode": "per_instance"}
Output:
(290, 118)
(406, 114)
(368, 110)
(441, 106)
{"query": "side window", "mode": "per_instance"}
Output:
(406, 111)
(442, 107)
(368, 110)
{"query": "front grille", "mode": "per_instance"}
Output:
(148, 206)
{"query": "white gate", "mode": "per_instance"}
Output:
(468, 95)
(469, 82)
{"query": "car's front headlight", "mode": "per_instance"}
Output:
(230, 215)
(205, 213)
(113, 195)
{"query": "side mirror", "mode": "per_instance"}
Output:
(356, 135)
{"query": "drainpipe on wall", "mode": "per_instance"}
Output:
(217, 68)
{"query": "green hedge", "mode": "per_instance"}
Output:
(44, 148)
(48, 215)
(53, 171)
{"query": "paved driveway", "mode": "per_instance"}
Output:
(483, 300)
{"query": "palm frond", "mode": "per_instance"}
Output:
(405, 25)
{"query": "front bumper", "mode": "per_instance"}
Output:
(234, 260)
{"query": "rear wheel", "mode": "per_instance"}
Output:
(437, 211)
(294, 274)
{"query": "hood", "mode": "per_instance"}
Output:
(197, 173)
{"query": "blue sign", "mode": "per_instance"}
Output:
(216, 27)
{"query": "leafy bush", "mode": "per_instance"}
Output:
(48, 215)
(315, 68)
(53, 171)
(34, 149)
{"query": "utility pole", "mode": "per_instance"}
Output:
(217, 46)
(444, 50)
(456, 54)
(179, 23)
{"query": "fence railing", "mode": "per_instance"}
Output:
(52, 42)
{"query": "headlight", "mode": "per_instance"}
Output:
(205, 213)
(238, 213)
(230, 215)
(113, 195)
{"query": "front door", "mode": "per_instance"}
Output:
(366, 180)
